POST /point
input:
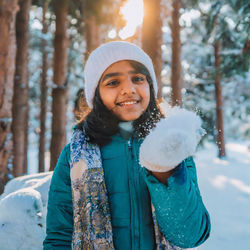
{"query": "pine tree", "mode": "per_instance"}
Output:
(8, 10)
(222, 37)
(176, 81)
(59, 92)
(44, 91)
(152, 37)
(214, 50)
(219, 101)
(92, 32)
(20, 108)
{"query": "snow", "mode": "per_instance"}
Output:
(172, 140)
(21, 220)
(224, 185)
(23, 209)
(225, 188)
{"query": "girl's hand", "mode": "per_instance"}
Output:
(172, 140)
(163, 176)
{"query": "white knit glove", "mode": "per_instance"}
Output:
(172, 140)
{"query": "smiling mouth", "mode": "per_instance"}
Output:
(127, 103)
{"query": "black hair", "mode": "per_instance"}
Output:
(100, 123)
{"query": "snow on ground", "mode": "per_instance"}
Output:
(23, 208)
(225, 188)
(224, 185)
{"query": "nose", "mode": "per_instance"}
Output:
(128, 86)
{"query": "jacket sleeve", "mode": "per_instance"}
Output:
(59, 221)
(180, 212)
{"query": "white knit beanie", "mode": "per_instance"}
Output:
(105, 55)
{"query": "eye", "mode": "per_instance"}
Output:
(138, 79)
(112, 83)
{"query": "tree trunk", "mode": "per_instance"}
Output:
(219, 102)
(92, 33)
(176, 54)
(21, 90)
(8, 9)
(59, 93)
(26, 129)
(44, 93)
(152, 37)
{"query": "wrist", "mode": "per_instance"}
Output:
(163, 176)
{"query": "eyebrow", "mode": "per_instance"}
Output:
(109, 75)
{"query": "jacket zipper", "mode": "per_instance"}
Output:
(133, 199)
(130, 147)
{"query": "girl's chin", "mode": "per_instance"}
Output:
(127, 117)
(128, 113)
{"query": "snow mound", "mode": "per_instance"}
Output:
(23, 207)
(39, 182)
(172, 140)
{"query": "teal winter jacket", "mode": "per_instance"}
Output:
(129, 199)
(180, 212)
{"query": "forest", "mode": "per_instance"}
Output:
(200, 50)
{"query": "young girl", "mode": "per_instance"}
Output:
(101, 197)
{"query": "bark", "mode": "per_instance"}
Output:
(152, 37)
(246, 47)
(21, 90)
(219, 102)
(92, 33)
(44, 93)
(8, 9)
(176, 81)
(26, 129)
(59, 92)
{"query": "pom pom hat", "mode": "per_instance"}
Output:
(105, 55)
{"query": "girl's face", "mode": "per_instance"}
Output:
(124, 91)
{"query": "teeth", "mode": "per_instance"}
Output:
(128, 103)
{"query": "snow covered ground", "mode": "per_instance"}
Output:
(224, 185)
(225, 188)
(23, 209)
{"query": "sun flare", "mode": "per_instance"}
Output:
(132, 12)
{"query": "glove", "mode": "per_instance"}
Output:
(174, 138)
